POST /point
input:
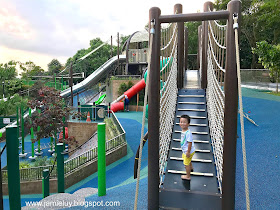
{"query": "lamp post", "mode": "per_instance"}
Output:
(3, 83)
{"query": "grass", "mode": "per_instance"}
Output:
(274, 93)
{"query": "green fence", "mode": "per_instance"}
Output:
(57, 85)
(36, 173)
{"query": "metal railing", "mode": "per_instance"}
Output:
(56, 85)
(30, 174)
(35, 173)
(256, 76)
(125, 77)
(75, 163)
(138, 55)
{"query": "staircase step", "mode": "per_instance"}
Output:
(189, 102)
(194, 132)
(192, 173)
(193, 124)
(193, 160)
(195, 141)
(195, 110)
(197, 150)
(194, 96)
(193, 117)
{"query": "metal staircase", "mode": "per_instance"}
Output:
(202, 191)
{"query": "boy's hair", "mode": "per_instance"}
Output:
(186, 117)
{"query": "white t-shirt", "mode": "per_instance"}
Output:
(186, 137)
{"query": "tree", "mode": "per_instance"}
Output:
(123, 39)
(54, 67)
(192, 42)
(260, 21)
(30, 69)
(8, 71)
(50, 119)
(269, 57)
(93, 61)
(14, 86)
(9, 107)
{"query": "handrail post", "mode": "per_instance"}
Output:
(46, 183)
(13, 168)
(231, 106)
(178, 9)
(101, 135)
(153, 113)
(60, 168)
(206, 7)
(186, 48)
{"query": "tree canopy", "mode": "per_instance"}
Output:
(260, 21)
(8, 71)
(269, 57)
(93, 61)
(30, 69)
(54, 67)
(50, 119)
(192, 42)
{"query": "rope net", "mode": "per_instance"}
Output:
(215, 96)
(168, 92)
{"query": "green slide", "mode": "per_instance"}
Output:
(101, 98)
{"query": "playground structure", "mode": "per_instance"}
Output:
(217, 70)
(211, 59)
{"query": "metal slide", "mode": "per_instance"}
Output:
(94, 77)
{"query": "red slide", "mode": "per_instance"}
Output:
(115, 107)
(61, 134)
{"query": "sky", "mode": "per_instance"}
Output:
(41, 30)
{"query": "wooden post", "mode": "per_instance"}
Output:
(153, 117)
(231, 108)
(207, 5)
(137, 102)
(178, 8)
(111, 46)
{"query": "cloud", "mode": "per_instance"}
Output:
(59, 28)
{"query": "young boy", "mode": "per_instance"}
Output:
(187, 145)
(126, 101)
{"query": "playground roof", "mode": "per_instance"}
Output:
(140, 36)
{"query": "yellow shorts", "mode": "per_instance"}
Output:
(187, 160)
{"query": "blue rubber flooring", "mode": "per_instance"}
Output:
(263, 151)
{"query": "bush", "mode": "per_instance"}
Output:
(111, 129)
(9, 107)
(41, 161)
(124, 87)
(24, 164)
